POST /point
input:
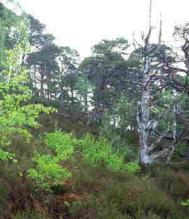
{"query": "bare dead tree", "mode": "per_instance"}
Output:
(145, 124)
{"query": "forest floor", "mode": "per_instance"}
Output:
(98, 193)
(94, 192)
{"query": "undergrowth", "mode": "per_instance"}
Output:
(85, 178)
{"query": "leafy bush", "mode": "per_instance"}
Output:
(16, 116)
(96, 152)
(48, 172)
(61, 143)
(132, 167)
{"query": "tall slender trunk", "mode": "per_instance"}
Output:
(143, 117)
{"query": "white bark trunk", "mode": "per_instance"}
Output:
(143, 117)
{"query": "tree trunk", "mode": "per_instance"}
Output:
(143, 117)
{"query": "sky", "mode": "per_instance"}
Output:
(82, 23)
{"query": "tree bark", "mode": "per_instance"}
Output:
(143, 117)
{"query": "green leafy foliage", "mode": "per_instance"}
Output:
(61, 143)
(132, 167)
(185, 203)
(96, 152)
(117, 126)
(4, 155)
(16, 114)
(48, 172)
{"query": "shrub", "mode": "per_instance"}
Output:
(48, 172)
(118, 194)
(132, 167)
(61, 143)
(96, 152)
(175, 183)
(17, 113)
